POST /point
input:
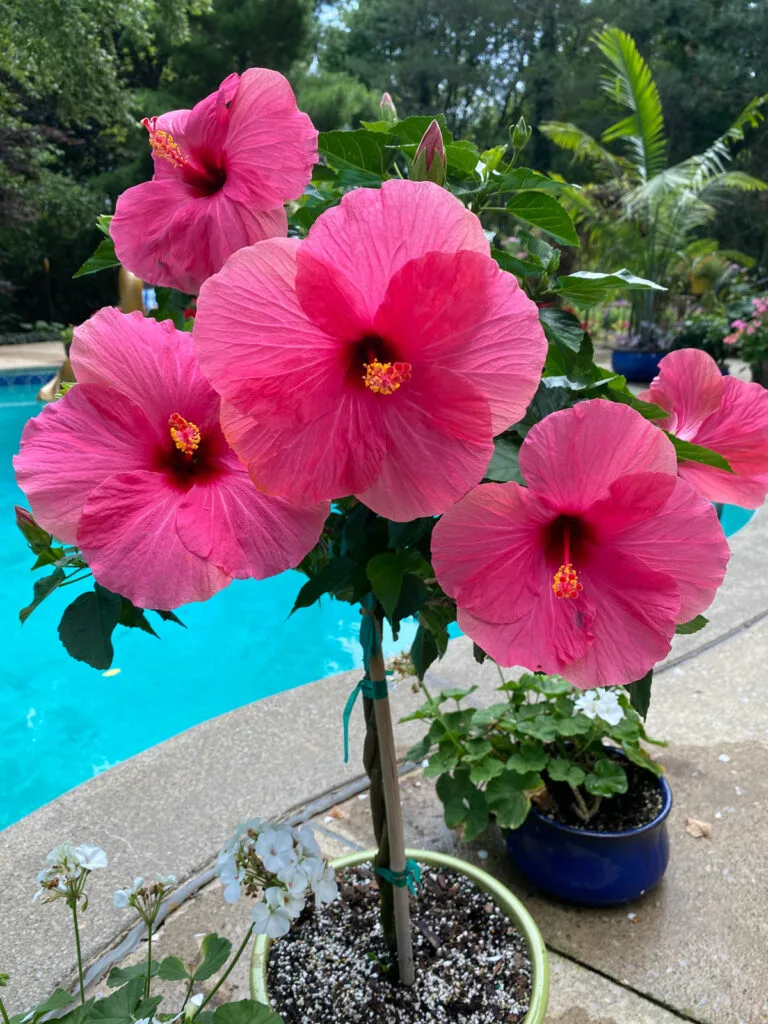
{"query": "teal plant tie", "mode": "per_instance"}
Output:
(374, 689)
(410, 877)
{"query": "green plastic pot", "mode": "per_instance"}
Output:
(499, 893)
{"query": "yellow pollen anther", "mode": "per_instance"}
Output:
(163, 143)
(566, 582)
(384, 378)
(185, 435)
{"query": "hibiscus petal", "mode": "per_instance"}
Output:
(487, 554)
(373, 232)
(271, 146)
(739, 431)
(572, 457)
(141, 228)
(338, 454)
(684, 541)
(129, 524)
(690, 385)
(636, 610)
(244, 532)
(74, 446)
(438, 445)
(148, 361)
(204, 129)
(460, 311)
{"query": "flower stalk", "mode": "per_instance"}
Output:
(73, 905)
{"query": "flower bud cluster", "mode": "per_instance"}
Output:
(278, 866)
(145, 897)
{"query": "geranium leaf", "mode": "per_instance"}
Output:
(172, 969)
(560, 769)
(215, 952)
(606, 778)
(119, 976)
(246, 1011)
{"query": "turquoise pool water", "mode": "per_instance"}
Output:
(62, 722)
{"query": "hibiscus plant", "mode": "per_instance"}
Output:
(377, 390)
(545, 740)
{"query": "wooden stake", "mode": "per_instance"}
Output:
(394, 810)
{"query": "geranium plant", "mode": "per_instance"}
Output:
(546, 740)
(386, 364)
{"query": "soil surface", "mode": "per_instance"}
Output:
(472, 965)
(639, 806)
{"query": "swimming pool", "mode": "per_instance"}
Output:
(62, 722)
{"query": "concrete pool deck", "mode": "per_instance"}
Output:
(695, 948)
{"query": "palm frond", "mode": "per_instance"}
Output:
(713, 161)
(584, 148)
(631, 84)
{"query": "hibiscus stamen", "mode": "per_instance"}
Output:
(185, 435)
(163, 143)
(566, 580)
(385, 378)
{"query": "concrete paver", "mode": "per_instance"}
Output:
(31, 356)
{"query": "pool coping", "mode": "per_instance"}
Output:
(171, 807)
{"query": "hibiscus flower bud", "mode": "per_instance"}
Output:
(520, 135)
(37, 538)
(429, 161)
(388, 108)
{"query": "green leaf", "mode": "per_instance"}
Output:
(386, 571)
(57, 1001)
(640, 694)
(477, 749)
(366, 151)
(587, 288)
(485, 770)
(462, 158)
(560, 769)
(169, 617)
(410, 130)
(542, 727)
(336, 575)
(103, 222)
(119, 976)
(102, 259)
(245, 1011)
(442, 761)
(545, 212)
(575, 725)
(638, 756)
(423, 650)
(523, 178)
(172, 969)
(685, 628)
(528, 757)
(87, 624)
(121, 1005)
(403, 535)
(606, 778)
(134, 618)
(463, 803)
(513, 265)
(549, 686)
(505, 464)
(562, 327)
(215, 952)
(42, 589)
(688, 452)
(478, 653)
(419, 750)
(508, 799)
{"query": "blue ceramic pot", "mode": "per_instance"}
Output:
(597, 869)
(638, 367)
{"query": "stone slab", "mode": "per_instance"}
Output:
(29, 356)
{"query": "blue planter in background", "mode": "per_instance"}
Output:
(638, 367)
(597, 869)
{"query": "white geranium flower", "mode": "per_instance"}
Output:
(63, 861)
(167, 881)
(122, 898)
(586, 703)
(326, 888)
(280, 899)
(313, 868)
(608, 708)
(270, 921)
(230, 876)
(275, 848)
(90, 856)
(294, 878)
(305, 836)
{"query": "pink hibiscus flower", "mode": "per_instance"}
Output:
(132, 467)
(379, 357)
(726, 414)
(587, 570)
(222, 173)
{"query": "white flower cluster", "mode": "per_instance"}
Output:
(278, 865)
(600, 704)
(134, 895)
(66, 870)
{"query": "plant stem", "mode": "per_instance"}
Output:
(225, 975)
(189, 993)
(580, 806)
(79, 952)
(4, 1012)
(148, 979)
